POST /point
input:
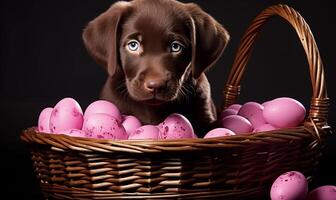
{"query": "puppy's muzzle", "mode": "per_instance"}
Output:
(155, 85)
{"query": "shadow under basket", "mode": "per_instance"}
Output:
(234, 167)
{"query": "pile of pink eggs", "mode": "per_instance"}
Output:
(251, 117)
(102, 119)
(293, 185)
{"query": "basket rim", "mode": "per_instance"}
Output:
(60, 142)
(242, 137)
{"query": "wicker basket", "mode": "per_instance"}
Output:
(217, 168)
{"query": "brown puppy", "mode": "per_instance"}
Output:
(156, 53)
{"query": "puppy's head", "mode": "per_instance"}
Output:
(155, 44)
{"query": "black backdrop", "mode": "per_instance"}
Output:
(43, 60)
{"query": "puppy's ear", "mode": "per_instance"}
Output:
(209, 39)
(101, 36)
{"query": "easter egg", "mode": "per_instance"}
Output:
(235, 107)
(326, 192)
(237, 124)
(284, 112)
(253, 111)
(131, 123)
(265, 103)
(219, 132)
(43, 120)
(102, 106)
(149, 132)
(290, 186)
(228, 112)
(67, 114)
(175, 126)
(105, 126)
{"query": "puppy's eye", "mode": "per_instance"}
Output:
(133, 45)
(176, 47)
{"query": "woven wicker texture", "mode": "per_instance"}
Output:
(216, 168)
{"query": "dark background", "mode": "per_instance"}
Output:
(43, 60)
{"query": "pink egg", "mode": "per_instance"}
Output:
(290, 186)
(237, 124)
(326, 192)
(175, 126)
(131, 123)
(284, 112)
(265, 103)
(264, 127)
(219, 132)
(75, 133)
(253, 112)
(67, 114)
(235, 107)
(148, 132)
(228, 112)
(102, 106)
(102, 125)
(43, 120)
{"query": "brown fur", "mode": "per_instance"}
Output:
(154, 81)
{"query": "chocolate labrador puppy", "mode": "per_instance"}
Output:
(156, 53)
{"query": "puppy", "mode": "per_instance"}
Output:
(156, 53)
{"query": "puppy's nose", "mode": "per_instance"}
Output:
(153, 85)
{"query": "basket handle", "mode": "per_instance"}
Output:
(319, 102)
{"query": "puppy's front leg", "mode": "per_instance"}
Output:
(205, 110)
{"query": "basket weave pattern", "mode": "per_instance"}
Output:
(226, 167)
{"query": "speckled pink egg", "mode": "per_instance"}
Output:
(284, 112)
(147, 132)
(253, 111)
(102, 106)
(219, 132)
(75, 133)
(326, 192)
(131, 123)
(228, 112)
(264, 127)
(43, 120)
(235, 107)
(290, 186)
(237, 124)
(102, 125)
(67, 114)
(175, 126)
